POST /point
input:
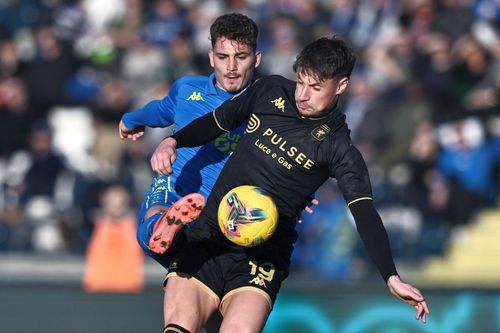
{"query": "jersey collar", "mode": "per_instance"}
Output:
(210, 86)
(212, 89)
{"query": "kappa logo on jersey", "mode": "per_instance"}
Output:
(320, 132)
(253, 124)
(279, 103)
(195, 96)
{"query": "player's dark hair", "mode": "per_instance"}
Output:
(236, 27)
(326, 58)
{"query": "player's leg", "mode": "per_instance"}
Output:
(169, 222)
(146, 222)
(214, 322)
(188, 303)
(157, 201)
(252, 281)
(157, 223)
(245, 312)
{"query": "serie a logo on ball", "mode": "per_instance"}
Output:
(247, 215)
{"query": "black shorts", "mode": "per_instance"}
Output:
(224, 269)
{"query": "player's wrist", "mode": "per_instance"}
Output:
(393, 278)
(170, 141)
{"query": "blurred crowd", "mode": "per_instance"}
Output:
(423, 107)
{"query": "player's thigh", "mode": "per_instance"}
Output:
(187, 303)
(245, 312)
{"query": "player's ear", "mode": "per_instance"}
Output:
(211, 57)
(258, 56)
(342, 86)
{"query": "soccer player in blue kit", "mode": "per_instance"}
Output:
(307, 141)
(234, 58)
(179, 198)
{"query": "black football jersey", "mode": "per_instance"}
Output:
(287, 155)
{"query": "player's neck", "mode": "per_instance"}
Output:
(329, 111)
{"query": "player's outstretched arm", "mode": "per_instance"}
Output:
(374, 236)
(130, 133)
(409, 294)
(164, 156)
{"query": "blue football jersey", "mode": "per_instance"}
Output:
(195, 169)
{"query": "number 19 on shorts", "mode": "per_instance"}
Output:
(262, 273)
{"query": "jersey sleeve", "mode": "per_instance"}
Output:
(349, 168)
(374, 236)
(236, 110)
(157, 113)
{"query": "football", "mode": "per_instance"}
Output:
(247, 215)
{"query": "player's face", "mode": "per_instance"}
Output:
(313, 97)
(234, 64)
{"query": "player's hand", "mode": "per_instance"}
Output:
(308, 208)
(131, 134)
(409, 294)
(164, 156)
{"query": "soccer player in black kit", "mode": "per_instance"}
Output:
(296, 139)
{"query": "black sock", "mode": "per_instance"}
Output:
(174, 328)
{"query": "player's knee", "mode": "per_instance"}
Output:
(171, 328)
(241, 326)
(238, 326)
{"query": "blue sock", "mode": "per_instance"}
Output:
(144, 232)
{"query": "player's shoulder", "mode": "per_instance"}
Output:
(274, 81)
(339, 134)
(187, 86)
(193, 80)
